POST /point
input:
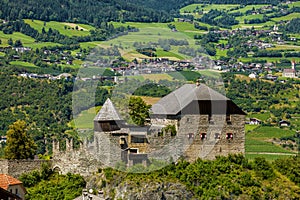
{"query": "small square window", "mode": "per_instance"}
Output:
(228, 119)
(203, 136)
(229, 136)
(191, 135)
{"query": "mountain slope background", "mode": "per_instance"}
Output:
(95, 12)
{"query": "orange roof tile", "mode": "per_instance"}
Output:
(6, 181)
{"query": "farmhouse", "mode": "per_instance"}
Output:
(207, 125)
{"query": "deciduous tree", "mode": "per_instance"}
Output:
(138, 110)
(19, 144)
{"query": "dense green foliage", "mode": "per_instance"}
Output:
(232, 177)
(219, 18)
(138, 110)
(19, 144)
(290, 167)
(46, 184)
(258, 95)
(185, 75)
(293, 26)
(247, 2)
(45, 106)
(152, 90)
(103, 31)
(81, 11)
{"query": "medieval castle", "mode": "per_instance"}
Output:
(206, 123)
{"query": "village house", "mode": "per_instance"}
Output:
(6, 195)
(289, 73)
(13, 186)
(284, 123)
(254, 121)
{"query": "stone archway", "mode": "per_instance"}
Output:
(57, 169)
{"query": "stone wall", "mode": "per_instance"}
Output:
(164, 122)
(78, 161)
(17, 167)
(209, 138)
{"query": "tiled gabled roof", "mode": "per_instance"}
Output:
(289, 71)
(6, 181)
(108, 112)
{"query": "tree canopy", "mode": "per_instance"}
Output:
(138, 110)
(19, 144)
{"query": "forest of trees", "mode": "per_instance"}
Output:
(47, 112)
(293, 26)
(102, 32)
(93, 12)
(258, 95)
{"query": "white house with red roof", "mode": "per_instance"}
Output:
(12, 185)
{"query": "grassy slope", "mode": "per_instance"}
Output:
(149, 32)
(287, 17)
(208, 7)
(60, 26)
(85, 119)
(26, 40)
(23, 64)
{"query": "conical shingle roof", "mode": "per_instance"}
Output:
(108, 112)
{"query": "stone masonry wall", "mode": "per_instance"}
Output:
(78, 161)
(17, 167)
(212, 146)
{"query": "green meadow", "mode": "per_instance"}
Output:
(148, 32)
(294, 4)
(268, 59)
(85, 120)
(269, 157)
(208, 7)
(68, 29)
(23, 64)
(26, 40)
(246, 8)
(266, 132)
(15, 36)
(253, 145)
(287, 17)
(261, 116)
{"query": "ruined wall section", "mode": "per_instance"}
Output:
(77, 161)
